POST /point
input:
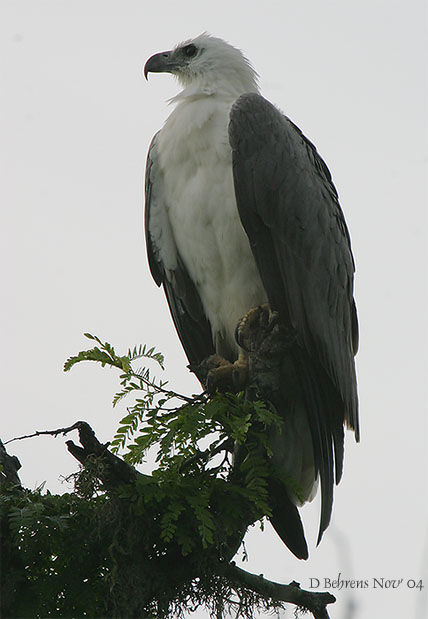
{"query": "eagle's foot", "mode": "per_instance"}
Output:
(255, 325)
(222, 375)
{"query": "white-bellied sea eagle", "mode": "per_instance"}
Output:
(241, 212)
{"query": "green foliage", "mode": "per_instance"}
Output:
(70, 557)
(146, 549)
(51, 556)
(159, 419)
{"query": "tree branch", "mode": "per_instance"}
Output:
(54, 433)
(315, 602)
(9, 467)
(115, 470)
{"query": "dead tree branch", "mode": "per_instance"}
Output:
(115, 471)
(314, 602)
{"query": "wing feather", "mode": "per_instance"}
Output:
(289, 208)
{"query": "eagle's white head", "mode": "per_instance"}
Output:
(206, 65)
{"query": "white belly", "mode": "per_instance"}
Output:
(200, 197)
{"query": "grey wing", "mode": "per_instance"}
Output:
(289, 208)
(168, 270)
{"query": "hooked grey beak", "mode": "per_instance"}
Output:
(160, 63)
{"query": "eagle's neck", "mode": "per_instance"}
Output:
(229, 83)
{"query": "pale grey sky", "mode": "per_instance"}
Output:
(76, 121)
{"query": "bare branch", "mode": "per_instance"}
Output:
(315, 602)
(115, 470)
(54, 433)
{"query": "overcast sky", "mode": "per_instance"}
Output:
(76, 121)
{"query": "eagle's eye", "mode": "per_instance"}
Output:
(190, 50)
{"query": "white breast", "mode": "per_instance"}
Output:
(196, 164)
